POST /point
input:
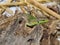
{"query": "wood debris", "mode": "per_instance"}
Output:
(14, 29)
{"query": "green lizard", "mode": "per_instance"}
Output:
(32, 21)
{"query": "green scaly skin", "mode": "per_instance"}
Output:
(32, 21)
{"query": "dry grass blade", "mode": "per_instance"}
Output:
(53, 26)
(39, 5)
(8, 19)
(13, 4)
(8, 1)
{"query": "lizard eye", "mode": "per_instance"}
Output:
(20, 20)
